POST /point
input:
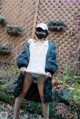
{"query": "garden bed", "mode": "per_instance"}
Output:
(66, 97)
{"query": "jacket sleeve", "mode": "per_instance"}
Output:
(23, 59)
(52, 65)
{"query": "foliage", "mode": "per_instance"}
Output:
(5, 49)
(56, 26)
(68, 78)
(2, 20)
(13, 29)
(75, 95)
(65, 112)
(69, 110)
(66, 102)
(8, 73)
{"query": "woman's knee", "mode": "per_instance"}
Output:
(22, 94)
(42, 98)
(40, 84)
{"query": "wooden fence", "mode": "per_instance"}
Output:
(28, 13)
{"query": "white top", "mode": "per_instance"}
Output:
(38, 53)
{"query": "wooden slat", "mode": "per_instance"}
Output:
(35, 18)
(27, 13)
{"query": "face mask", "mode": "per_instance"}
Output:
(40, 36)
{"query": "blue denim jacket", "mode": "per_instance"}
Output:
(51, 63)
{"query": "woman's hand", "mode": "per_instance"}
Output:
(48, 74)
(23, 69)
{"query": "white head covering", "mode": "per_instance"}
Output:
(43, 26)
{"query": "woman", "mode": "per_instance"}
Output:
(37, 61)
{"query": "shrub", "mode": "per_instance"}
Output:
(2, 20)
(5, 49)
(56, 26)
(13, 29)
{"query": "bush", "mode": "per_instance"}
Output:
(2, 20)
(5, 49)
(13, 29)
(56, 26)
(65, 104)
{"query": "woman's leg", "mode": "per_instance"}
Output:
(45, 106)
(26, 84)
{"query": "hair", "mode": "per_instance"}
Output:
(41, 30)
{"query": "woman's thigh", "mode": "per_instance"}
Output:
(27, 82)
(40, 84)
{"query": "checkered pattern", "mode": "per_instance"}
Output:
(28, 13)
